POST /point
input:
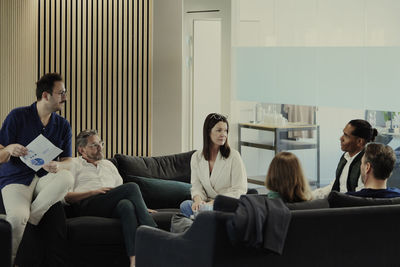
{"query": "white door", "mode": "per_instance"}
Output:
(205, 54)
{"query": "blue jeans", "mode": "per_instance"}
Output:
(186, 208)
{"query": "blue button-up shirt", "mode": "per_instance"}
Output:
(22, 126)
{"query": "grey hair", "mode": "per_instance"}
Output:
(82, 138)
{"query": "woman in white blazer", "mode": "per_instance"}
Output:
(215, 170)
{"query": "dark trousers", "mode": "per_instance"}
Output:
(45, 244)
(124, 202)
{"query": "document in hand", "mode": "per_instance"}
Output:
(40, 152)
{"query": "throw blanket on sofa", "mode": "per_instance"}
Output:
(260, 222)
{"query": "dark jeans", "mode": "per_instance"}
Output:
(45, 244)
(124, 202)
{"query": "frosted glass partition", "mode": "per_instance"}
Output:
(352, 77)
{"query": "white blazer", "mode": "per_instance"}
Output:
(227, 178)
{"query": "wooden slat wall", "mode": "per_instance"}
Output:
(102, 50)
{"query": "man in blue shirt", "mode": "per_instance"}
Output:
(28, 195)
(376, 167)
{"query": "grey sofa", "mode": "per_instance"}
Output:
(352, 236)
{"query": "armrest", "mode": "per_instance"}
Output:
(5, 243)
(224, 203)
(196, 247)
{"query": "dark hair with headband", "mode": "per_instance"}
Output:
(209, 123)
(364, 130)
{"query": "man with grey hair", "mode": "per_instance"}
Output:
(98, 190)
(377, 165)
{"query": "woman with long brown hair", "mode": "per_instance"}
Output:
(217, 169)
(285, 179)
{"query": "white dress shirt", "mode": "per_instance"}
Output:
(323, 192)
(345, 174)
(90, 177)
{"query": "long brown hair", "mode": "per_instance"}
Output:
(209, 123)
(285, 176)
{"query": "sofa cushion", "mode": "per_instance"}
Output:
(173, 167)
(163, 218)
(309, 205)
(160, 194)
(90, 230)
(340, 200)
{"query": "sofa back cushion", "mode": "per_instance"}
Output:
(161, 194)
(309, 205)
(172, 167)
(228, 204)
(341, 200)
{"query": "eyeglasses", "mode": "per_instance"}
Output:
(97, 145)
(218, 117)
(62, 93)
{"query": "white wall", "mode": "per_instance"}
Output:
(172, 99)
(312, 23)
(332, 122)
(167, 77)
(316, 23)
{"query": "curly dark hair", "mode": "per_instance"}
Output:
(46, 84)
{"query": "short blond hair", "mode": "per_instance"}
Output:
(285, 176)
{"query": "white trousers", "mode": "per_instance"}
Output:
(44, 192)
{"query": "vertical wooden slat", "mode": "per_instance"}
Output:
(39, 38)
(82, 67)
(56, 38)
(49, 33)
(108, 86)
(136, 77)
(45, 34)
(124, 80)
(99, 64)
(104, 67)
(112, 88)
(140, 76)
(149, 72)
(118, 75)
(89, 70)
(94, 40)
(74, 54)
(129, 78)
(145, 78)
